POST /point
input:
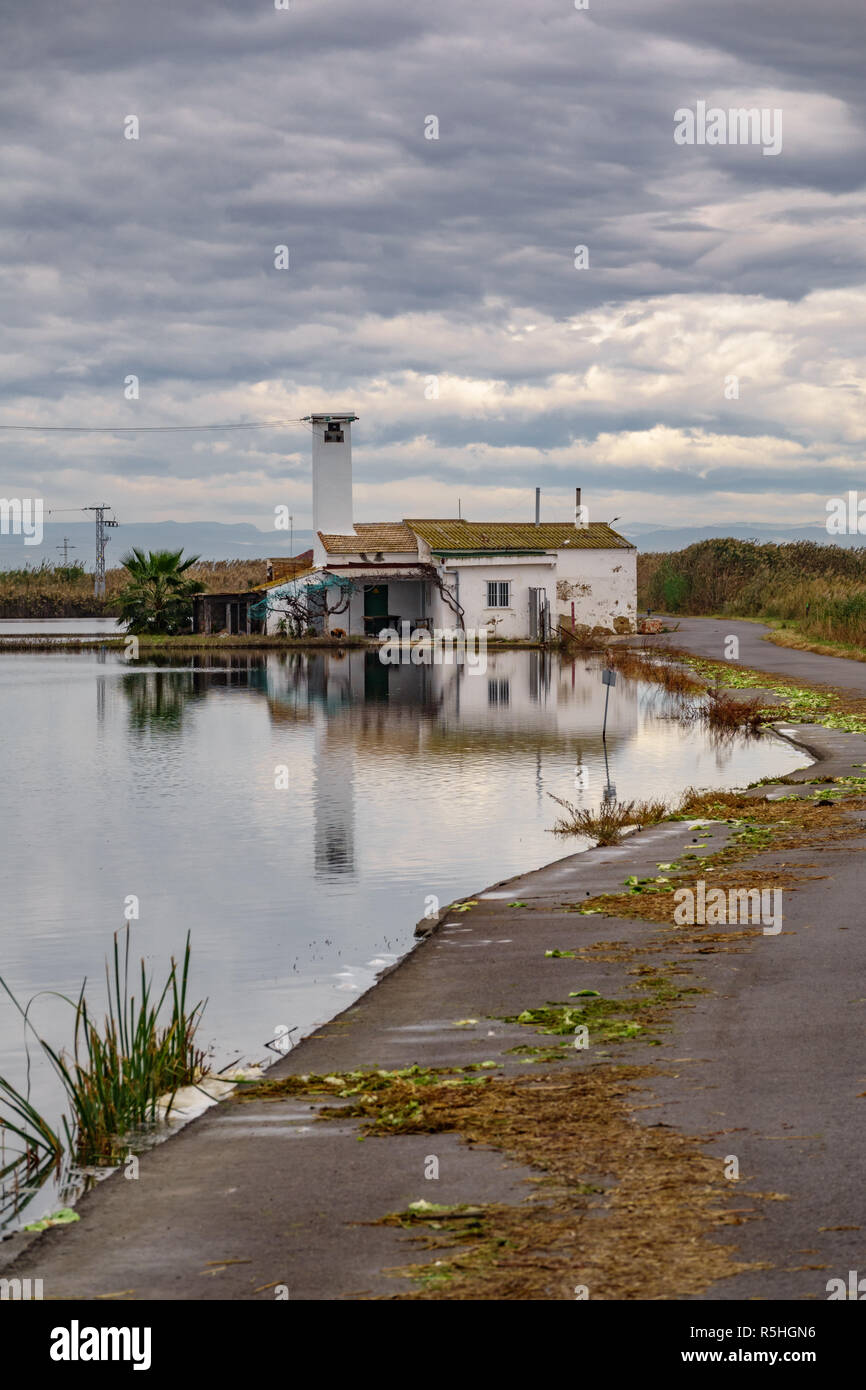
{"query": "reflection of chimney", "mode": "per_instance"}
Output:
(332, 478)
(333, 798)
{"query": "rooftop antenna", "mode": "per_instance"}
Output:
(102, 523)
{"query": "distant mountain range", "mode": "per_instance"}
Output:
(212, 540)
(647, 536)
(215, 540)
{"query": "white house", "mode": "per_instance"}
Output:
(509, 579)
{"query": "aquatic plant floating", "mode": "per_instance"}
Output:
(64, 1217)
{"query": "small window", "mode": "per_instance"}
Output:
(498, 595)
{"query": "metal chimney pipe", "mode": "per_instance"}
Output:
(577, 497)
(538, 506)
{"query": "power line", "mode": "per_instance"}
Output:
(149, 429)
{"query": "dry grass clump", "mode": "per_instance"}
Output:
(724, 711)
(605, 825)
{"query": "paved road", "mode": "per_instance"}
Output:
(706, 637)
(768, 1065)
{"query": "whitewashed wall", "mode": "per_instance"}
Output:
(604, 584)
(522, 574)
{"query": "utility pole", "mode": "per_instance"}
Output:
(102, 523)
(66, 547)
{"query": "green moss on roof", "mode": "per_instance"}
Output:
(517, 535)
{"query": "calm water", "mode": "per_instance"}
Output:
(403, 783)
(59, 627)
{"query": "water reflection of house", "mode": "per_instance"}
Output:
(524, 702)
(526, 693)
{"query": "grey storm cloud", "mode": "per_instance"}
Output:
(411, 256)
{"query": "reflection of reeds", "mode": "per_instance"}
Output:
(24, 1169)
(637, 664)
(606, 824)
(114, 1078)
(719, 710)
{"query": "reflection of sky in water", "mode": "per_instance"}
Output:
(403, 783)
(68, 627)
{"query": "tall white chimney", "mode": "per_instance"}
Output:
(332, 478)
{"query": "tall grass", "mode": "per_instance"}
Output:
(66, 591)
(114, 1077)
(821, 589)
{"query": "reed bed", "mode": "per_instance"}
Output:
(66, 591)
(821, 589)
(118, 1070)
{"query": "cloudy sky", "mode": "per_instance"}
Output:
(419, 265)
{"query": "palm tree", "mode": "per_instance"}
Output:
(158, 597)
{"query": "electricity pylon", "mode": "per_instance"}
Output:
(102, 523)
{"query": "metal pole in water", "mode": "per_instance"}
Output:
(608, 678)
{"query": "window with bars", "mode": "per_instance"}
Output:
(498, 593)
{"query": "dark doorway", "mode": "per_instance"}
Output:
(375, 600)
(375, 608)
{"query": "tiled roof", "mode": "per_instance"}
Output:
(517, 535)
(285, 566)
(371, 536)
